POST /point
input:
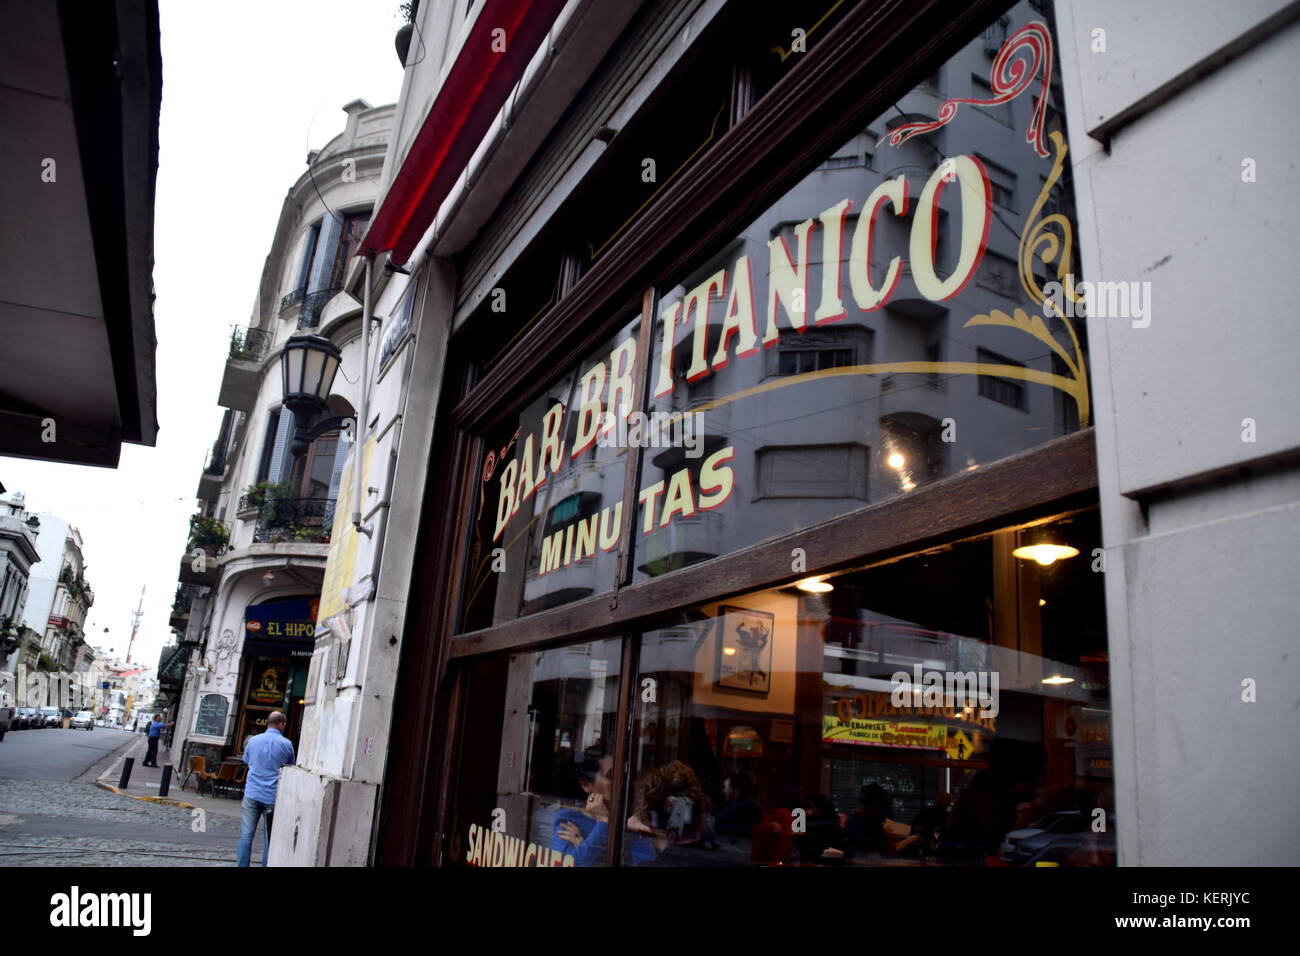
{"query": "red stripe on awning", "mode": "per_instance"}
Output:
(468, 102)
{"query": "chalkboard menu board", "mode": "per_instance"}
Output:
(212, 716)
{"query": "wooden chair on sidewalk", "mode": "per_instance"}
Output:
(197, 765)
(224, 778)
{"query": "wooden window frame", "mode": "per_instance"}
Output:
(875, 54)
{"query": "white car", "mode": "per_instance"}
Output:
(84, 718)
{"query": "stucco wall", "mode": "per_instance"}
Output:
(1200, 523)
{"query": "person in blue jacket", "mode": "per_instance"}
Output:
(583, 831)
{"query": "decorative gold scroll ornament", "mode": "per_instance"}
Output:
(1039, 241)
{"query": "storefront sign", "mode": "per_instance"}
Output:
(211, 721)
(879, 704)
(605, 393)
(885, 733)
(490, 848)
(268, 683)
(281, 628)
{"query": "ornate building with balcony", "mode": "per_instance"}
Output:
(18, 553)
(256, 550)
(47, 624)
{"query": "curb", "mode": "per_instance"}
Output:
(146, 798)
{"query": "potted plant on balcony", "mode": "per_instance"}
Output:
(260, 492)
(209, 534)
(276, 509)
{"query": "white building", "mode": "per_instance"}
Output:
(58, 597)
(254, 565)
(18, 553)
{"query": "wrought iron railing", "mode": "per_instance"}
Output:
(300, 520)
(216, 464)
(292, 299)
(313, 305)
(248, 345)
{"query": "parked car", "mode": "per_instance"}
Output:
(8, 716)
(83, 718)
(1060, 838)
(50, 717)
(26, 718)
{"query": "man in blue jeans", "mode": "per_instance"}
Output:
(154, 733)
(265, 755)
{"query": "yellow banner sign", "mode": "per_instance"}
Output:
(885, 733)
(340, 567)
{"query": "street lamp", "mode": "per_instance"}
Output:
(307, 368)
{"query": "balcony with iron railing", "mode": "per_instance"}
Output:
(294, 520)
(180, 616)
(313, 304)
(249, 344)
(243, 374)
(293, 298)
(209, 539)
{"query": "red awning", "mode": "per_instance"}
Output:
(475, 89)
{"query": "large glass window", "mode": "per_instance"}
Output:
(550, 495)
(889, 321)
(951, 708)
(906, 312)
(542, 797)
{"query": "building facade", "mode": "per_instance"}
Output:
(251, 577)
(50, 629)
(812, 435)
(18, 554)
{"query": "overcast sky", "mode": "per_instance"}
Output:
(248, 88)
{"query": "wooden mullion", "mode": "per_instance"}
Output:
(635, 456)
(617, 805)
(1058, 474)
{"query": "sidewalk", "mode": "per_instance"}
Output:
(145, 781)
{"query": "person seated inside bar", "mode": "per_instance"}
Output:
(669, 826)
(740, 812)
(575, 828)
(823, 840)
(870, 831)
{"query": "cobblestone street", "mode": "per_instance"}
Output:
(73, 822)
(77, 824)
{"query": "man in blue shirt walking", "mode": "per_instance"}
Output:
(265, 754)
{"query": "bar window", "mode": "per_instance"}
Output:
(820, 323)
(535, 770)
(550, 492)
(856, 720)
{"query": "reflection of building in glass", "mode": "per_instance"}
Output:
(831, 443)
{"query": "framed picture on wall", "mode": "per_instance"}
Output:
(745, 650)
